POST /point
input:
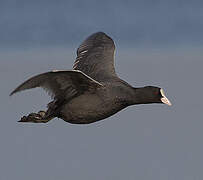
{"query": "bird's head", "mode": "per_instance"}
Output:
(153, 94)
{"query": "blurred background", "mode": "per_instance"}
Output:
(158, 43)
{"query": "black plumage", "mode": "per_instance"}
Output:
(91, 91)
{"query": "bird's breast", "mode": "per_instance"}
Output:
(89, 108)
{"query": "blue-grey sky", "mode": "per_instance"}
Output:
(54, 22)
(158, 43)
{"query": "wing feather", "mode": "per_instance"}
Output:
(60, 83)
(95, 57)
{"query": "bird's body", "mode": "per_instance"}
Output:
(92, 91)
(91, 107)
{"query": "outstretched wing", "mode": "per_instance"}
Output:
(63, 84)
(95, 57)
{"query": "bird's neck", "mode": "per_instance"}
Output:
(139, 96)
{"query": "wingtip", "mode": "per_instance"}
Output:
(11, 93)
(100, 34)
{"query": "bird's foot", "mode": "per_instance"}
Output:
(35, 117)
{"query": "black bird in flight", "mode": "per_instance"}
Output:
(92, 91)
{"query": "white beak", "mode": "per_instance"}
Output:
(164, 99)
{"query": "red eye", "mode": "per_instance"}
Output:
(157, 92)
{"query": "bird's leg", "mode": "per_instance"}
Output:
(40, 117)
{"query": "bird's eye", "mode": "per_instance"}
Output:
(157, 92)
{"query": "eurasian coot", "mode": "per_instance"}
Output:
(92, 91)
